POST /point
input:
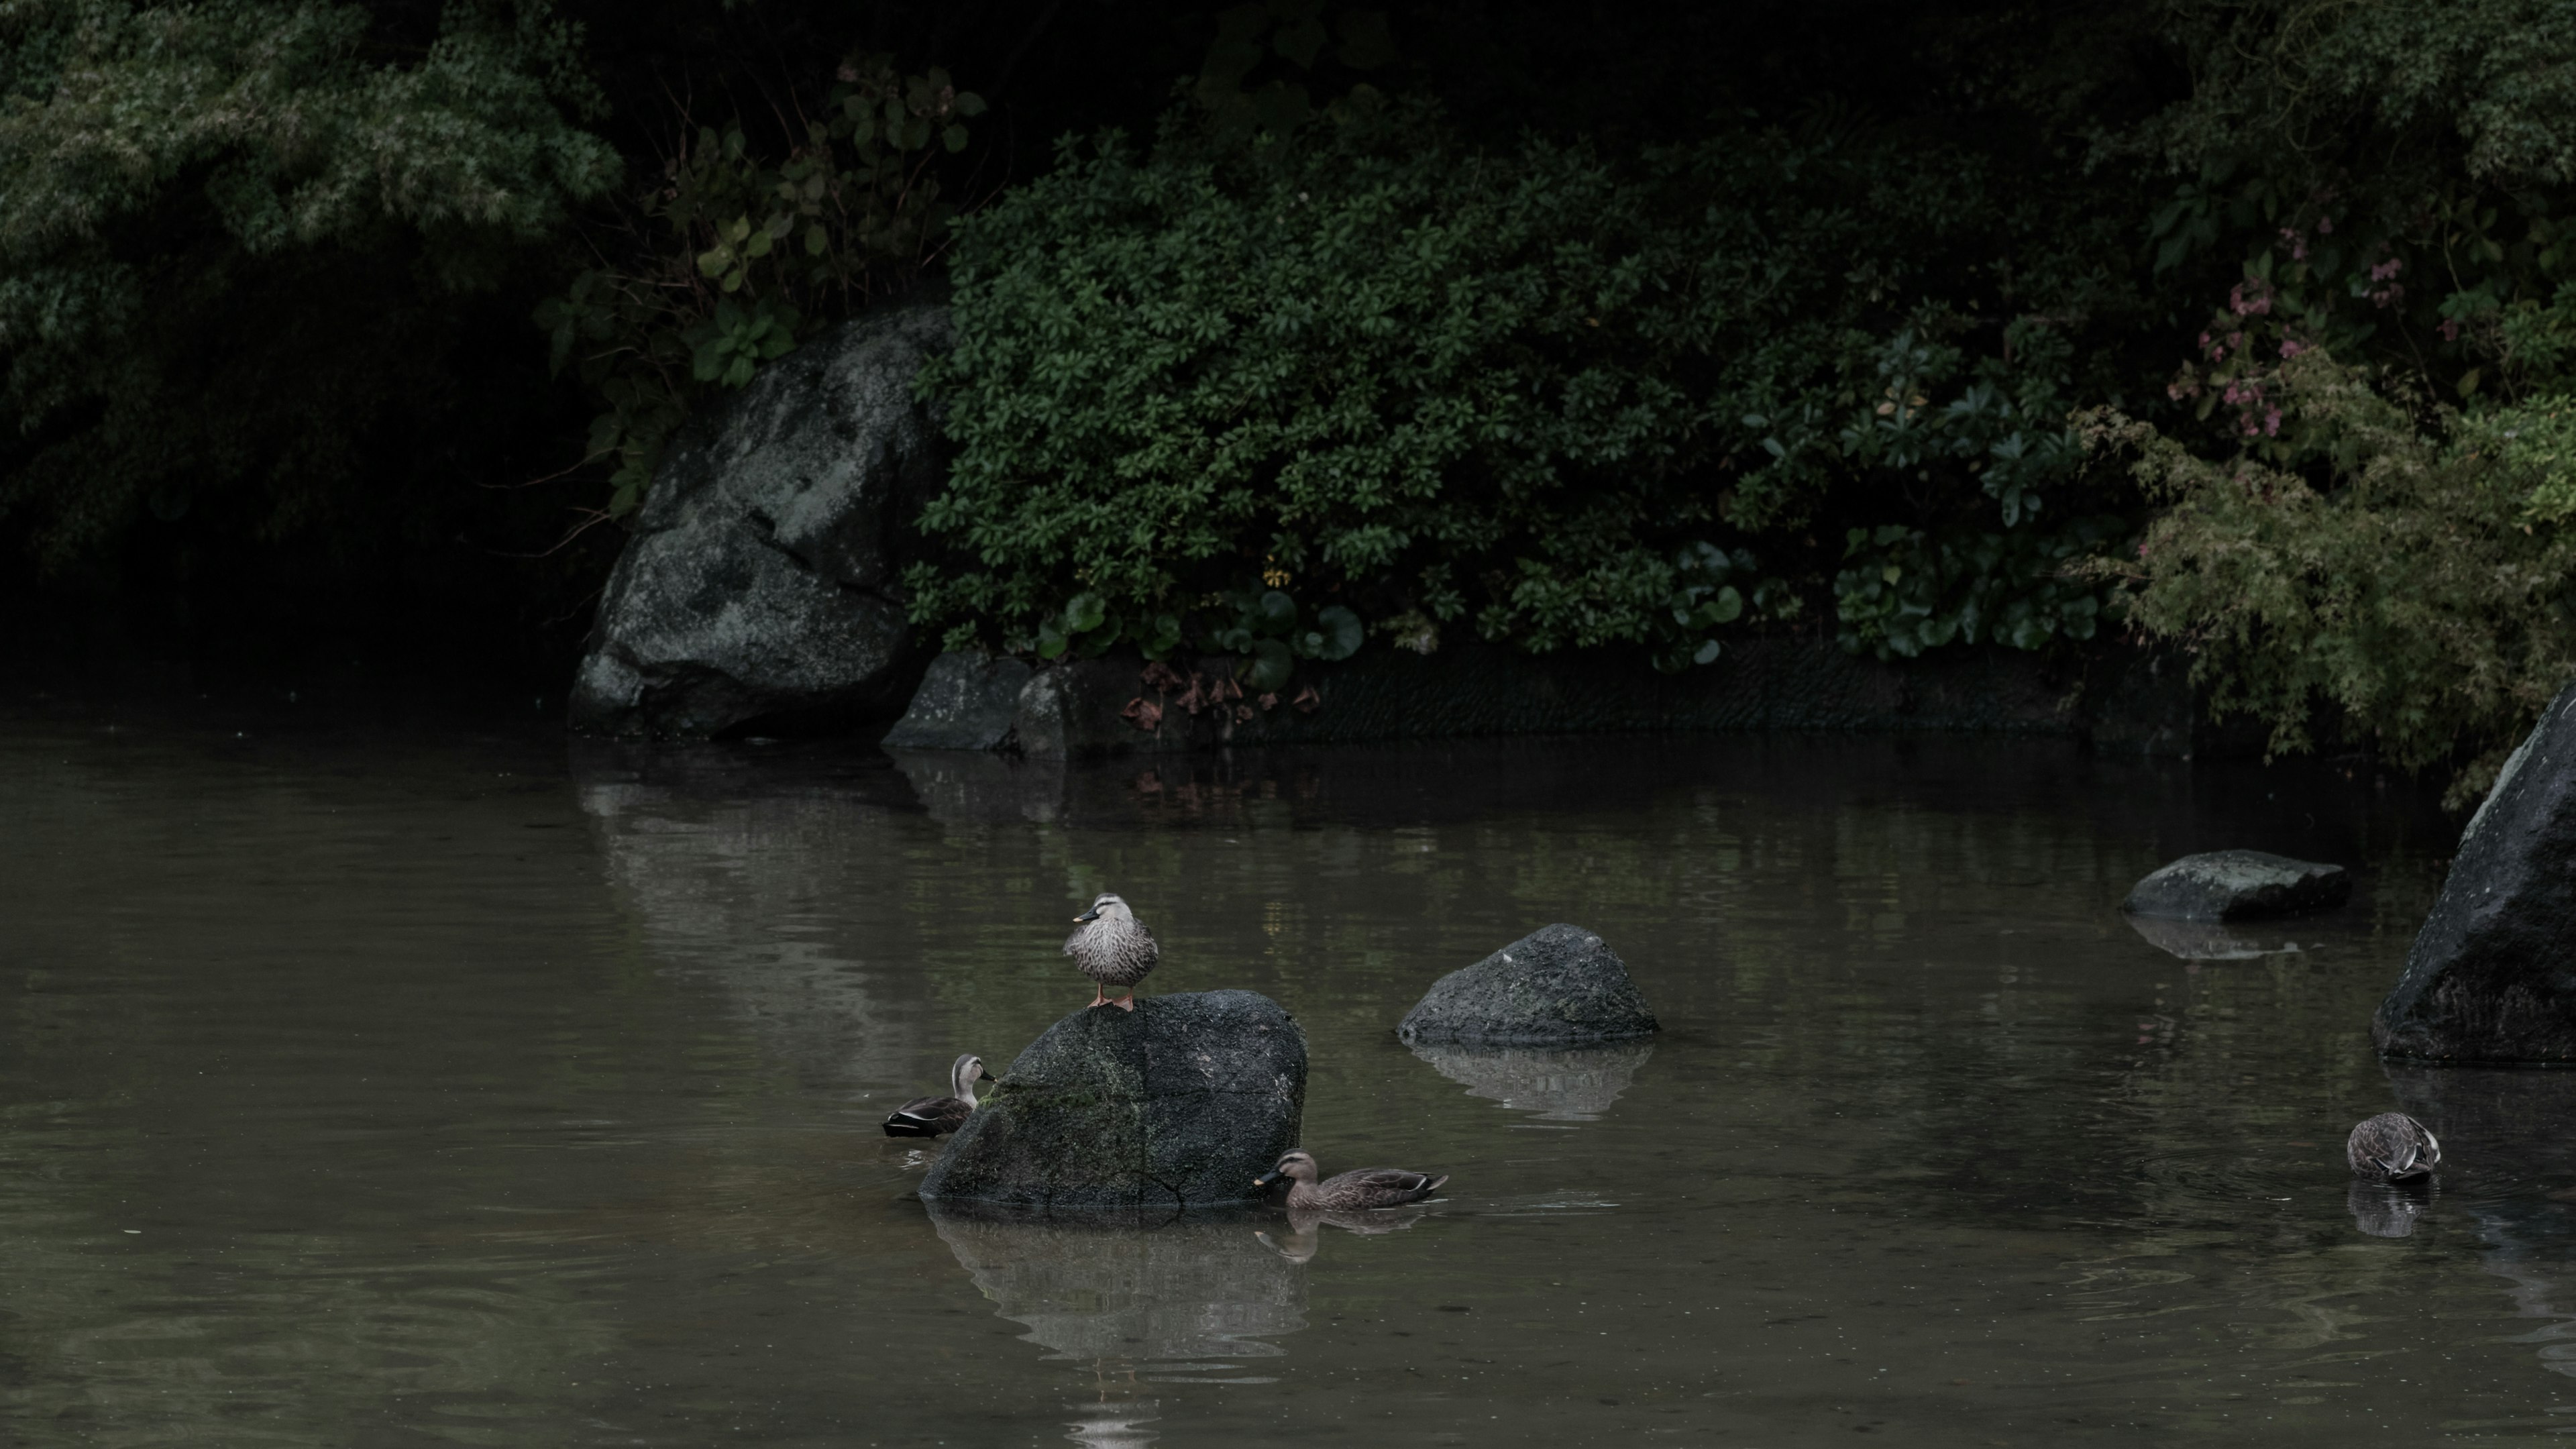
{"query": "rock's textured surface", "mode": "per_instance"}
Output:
(761, 580)
(1557, 986)
(1180, 1103)
(965, 702)
(2492, 976)
(2238, 885)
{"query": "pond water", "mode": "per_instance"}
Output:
(387, 1086)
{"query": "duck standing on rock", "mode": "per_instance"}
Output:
(2392, 1147)
(1354, 1191)
(930, 1116)
(1113, 948)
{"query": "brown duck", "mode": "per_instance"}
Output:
(1113, 948)
(1367, 1187)
(930, 1116)
(2392, 1147)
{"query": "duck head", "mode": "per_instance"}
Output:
(964, 1073)
(1108, 907)
(1296, 1164)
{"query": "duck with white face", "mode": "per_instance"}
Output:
(1113, 948)
(930, 1116)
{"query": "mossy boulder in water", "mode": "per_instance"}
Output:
(1180, 1103)
(1557, 986)
(2237, 885)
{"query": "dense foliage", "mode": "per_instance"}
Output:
(261, 141)
(1638, 329)
(1534, 394)
(2389, 569)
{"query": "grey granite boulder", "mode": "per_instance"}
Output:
(1180, 1103)
(965, 702)
(1557, 986)
(762, 579)
(2492, 975)
(2238, 885)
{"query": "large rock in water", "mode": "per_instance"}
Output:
(2492, 976)
(1180, 1103)
(2238, 885)
(761, 582)
(1557, 986)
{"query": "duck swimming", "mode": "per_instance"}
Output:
(930, 1116)
(2392, 1147)
(1357, 1190)
(1113, 948)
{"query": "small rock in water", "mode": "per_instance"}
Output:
(1180, 1103)
(965, 702)
(2238, 885)
(1558, 986)
(2487, 978)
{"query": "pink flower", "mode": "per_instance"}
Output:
(2325, 226)
(2292, 347)
(2271, 422)
(2450, 329)
(2387, 269)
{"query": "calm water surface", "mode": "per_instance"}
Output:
(389, 1088)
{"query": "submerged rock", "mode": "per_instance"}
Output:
(761, 581)
(2238, 885)
(1557, 986)
(2487, 979)
(1573, 1085)
(965, 702)
(1180, 1103)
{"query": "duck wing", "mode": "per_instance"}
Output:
(1376, 1187)
(927, 1117)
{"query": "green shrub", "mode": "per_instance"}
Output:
(1533, 392)
(2388, 565)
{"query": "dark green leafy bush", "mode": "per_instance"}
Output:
(1904, 591)
(1527, 393)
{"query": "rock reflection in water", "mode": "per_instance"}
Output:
(1576, 1085)
(1166, 1299)
(2506, 1149)
(2387, 1209)
(2207, 940)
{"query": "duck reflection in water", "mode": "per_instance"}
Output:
(1304, 1237)
(2388, 1209)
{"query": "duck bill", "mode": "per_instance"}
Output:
(1267, 1178)
(1086, 918)
(988, 1076)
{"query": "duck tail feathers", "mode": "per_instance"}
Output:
(904, 1124)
